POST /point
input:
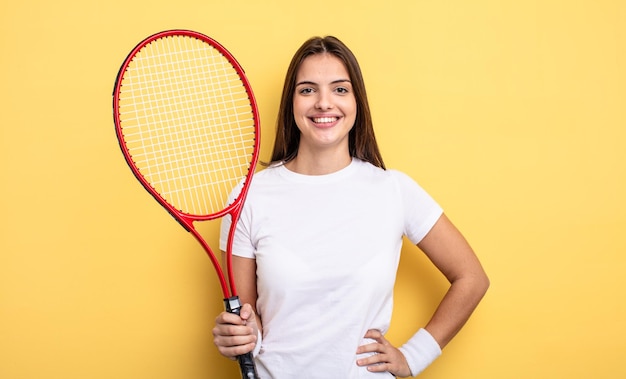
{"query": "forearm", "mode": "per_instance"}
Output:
(453, 256)
(456, 307)
(451, 314)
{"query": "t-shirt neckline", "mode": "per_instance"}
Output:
(326, 178)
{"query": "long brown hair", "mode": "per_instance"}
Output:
(362, 141)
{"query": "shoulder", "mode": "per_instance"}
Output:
(367, 169)
(268, 183)
(405, 187)
(268, 174)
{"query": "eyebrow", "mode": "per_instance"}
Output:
(307, 82)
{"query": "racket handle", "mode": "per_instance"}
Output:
(246, 361)
(248, 369)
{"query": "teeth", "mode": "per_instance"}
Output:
(324, 120)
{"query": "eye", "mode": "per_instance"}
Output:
(305, 91)
(342, 90)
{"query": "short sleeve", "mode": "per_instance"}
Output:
(420, 210)
(242, 245)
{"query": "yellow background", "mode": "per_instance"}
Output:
(510, 113)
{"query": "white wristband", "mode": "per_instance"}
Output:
(420, 351)
(257, 347)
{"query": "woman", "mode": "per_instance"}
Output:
(318, 242)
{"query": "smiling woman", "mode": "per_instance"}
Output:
(323, 220)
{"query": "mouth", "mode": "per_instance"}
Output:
(324, 120)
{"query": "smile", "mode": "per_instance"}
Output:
(324, 120)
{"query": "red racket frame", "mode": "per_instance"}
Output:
(186, 219)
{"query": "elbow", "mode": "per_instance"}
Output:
(486, 284)
(474, 284)
(482, 284)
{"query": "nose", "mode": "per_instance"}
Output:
(324, 100)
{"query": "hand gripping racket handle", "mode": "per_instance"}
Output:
(246, 361)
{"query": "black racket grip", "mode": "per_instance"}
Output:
(248, 369)
(246, 361)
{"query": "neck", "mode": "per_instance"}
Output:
(319, 163)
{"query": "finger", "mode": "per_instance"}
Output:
(377, 336)
(373, 334)
(247, 313)
(233, 340)
(376, 363)
(383, 367)
(234, 344)
(233, 330)
(370, 360)
(229, 318)
(234, 351)
(369, 348)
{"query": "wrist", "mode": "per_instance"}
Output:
(420, 351)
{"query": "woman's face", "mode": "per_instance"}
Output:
(324, 105)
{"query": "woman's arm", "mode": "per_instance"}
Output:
(452, 255)
(235, 335)
(244, 271)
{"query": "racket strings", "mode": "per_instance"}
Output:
(188, 123)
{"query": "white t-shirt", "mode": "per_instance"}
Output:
(327, 250)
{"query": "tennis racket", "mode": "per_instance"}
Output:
(188, 126)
